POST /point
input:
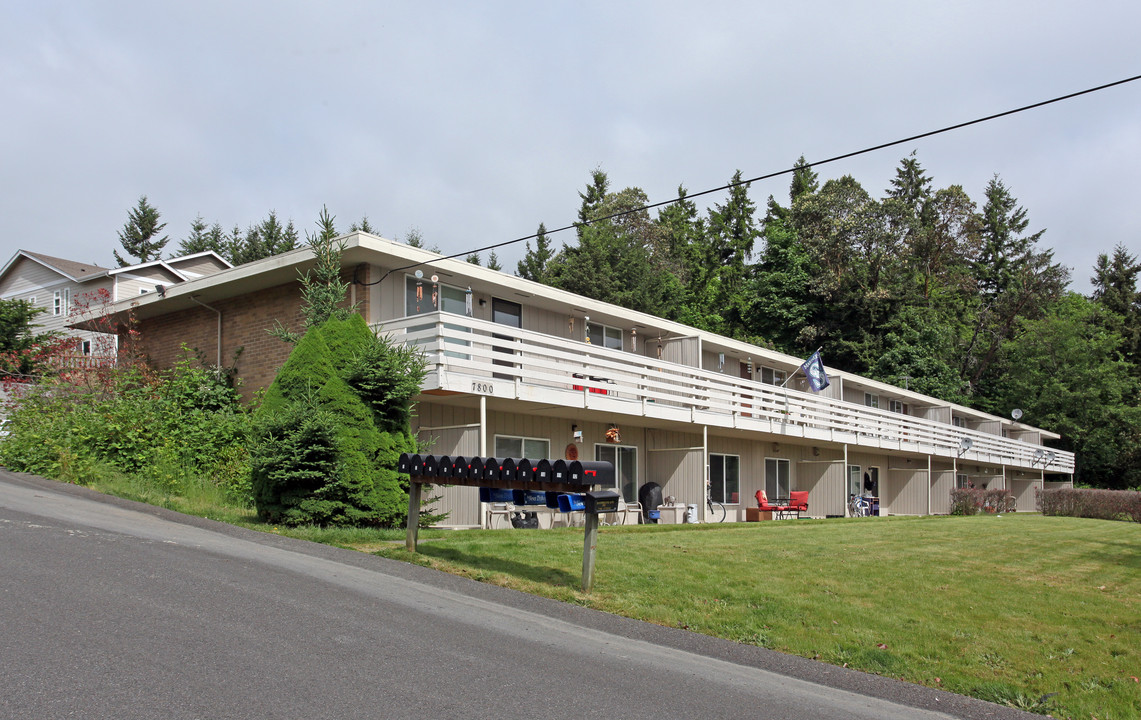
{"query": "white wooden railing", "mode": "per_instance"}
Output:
(464, 356)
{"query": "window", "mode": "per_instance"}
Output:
(603, 335)
(958, 421)
(772, 376)
(522, 447)
(897, 406)
(872, 401)
(32, 301)
(423, 296)
(855, 478)
(777, 477)
(725, 478)
(961, 482)
(57, 303)
(505, 312)
(86, 347)
(625, 461)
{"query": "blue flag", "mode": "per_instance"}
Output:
(813, 369)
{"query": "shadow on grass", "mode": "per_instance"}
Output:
(1118, 553)
(488, 563)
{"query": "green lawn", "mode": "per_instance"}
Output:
(1009, 609)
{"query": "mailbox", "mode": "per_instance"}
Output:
(553, 499)
(495, 495)
(570, 502)
(444, 467)
(404, 464)
(523, 470)
(474, 468)
(459, 466)
(417, 465)
(491, 469)
(542, 471)
(559, 471)
(507, 469)
(529, 497)
(430, 466)
(601, 501)
(574, 472)
(597, 473)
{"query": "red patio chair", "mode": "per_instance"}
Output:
(798, 502)
(763, 503)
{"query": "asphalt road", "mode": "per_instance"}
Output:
(112, 609)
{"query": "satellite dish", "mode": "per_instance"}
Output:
(1016, 414)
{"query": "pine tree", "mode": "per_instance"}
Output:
(533, 266)
(363, 226)
(139, 234)
(493, 261)
(804, 180)
(473, 258)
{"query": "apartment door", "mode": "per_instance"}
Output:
(625, 461)
(508, 313)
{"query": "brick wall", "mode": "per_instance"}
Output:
(246, 321)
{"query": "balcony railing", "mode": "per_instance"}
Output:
(473, 356)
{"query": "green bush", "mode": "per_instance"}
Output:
(165, 429)
(973, 501)
(320, 454)
(1091, 503)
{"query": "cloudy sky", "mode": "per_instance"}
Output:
(473, 122)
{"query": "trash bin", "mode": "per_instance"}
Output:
(691, 514)
(650, 496)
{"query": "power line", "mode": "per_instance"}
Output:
(778, 173)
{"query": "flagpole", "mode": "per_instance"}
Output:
(800, 367)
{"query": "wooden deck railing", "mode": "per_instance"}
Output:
(464, 356)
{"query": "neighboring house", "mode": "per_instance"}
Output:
(66, 289)
(516, 368)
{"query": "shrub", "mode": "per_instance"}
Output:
(320, 453)
(1089, 503)
(972, 501)
(165, 428)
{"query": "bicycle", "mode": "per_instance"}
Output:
(716, 509)
(859, 506)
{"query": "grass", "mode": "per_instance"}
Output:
(1040, 613)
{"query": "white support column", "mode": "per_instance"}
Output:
(846, 480)
(928, 484)
(705, 470)
(483, 426)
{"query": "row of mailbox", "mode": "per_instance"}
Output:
(493, 470)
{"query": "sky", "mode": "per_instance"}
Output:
(471, 123)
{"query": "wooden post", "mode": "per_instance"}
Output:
(589, 545)
(413, 515)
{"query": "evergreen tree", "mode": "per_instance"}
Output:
(730, 233)
(493, 261)
(804, 180)
(473, 258)
(1115, 290)
(533, 266)
(363, 226)
(198, 238)
(139, 236)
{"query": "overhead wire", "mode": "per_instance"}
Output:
(769, 176)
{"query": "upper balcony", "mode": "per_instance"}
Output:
(471, 356)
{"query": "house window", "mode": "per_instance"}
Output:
(772, 376)
(86, 347)
(777, 477)
(896, 406)
(522, 447)
(872, 401)
(598, 334)
(424, 296)
(961, 482)
(32, 301)
(625, 461)
(725, 478)
(958, 421)
(60, 299)
(855, 478)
